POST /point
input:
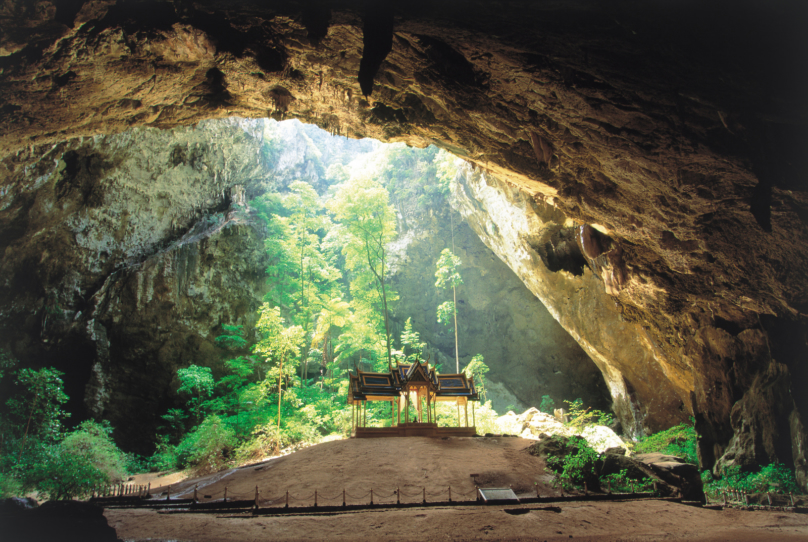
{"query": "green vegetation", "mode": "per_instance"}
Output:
(477, 369)
(448, 274)
(774, 478)
(38, 454)
(679, 441)
(547, 404)
(283, 383)
(580, 417)
(577, 465)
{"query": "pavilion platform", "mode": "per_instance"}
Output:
(413, 430)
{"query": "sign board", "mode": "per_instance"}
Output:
(490, 495)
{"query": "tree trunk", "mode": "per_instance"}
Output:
(280, 396)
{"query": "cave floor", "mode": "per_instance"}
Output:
(417, 463)
(614, 521)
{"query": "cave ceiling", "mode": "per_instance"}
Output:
(671, 134)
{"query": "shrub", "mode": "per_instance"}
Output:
(165, 458)
(9, 486)
(547, 404)
(64, 475)
(621, 483)
(679, 441)
(92, 441)
(776, 478)
(263, 443)
(581, 417)
(575, 467)
(207, 448)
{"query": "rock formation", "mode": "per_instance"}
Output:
(665, 140)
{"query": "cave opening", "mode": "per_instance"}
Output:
(665, 143)
(147, 285)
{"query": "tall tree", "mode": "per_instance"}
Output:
(367, 225)
(448, 274)
(277, 341)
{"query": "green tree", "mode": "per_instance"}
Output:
(448, 274)
(367, 225)
(232, 338)
(37, 405)
(547, 404)
(277, 341)
(477, 369)
(198, 383)
(411, 339)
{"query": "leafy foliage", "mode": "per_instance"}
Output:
(775, 478)
(547, 404)
(36, 408)
(577, 466)
(580, 417)
(620, 482)
(679, 441)
(477, 369)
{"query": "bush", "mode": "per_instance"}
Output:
(621, 483)
(547, 404)
(93, 442)
(679, 441)
(207, 448)
(9, 486)
(577, 466)
(774, 478)
(581, 417)
(64, 475)
(165, 458)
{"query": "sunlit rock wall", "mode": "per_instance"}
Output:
(528, 352)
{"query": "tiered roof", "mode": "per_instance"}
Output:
(367, 386)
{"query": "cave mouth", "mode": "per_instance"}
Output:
(146, 285)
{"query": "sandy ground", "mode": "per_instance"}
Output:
(613, 522)
(382, 464)
(415, 463)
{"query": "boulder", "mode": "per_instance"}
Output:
(674, 477)
(601, 438)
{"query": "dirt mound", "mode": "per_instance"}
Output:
(383, 464)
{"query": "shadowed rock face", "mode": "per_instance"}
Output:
(675, 133)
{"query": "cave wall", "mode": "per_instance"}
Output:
(123, 257)
(675, 130)
(528, 352)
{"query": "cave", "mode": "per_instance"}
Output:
(639, 168)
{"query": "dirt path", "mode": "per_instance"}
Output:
(414, 463)
(615, 521)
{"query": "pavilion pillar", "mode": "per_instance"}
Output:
(466, 409)
(473, 421)
(458, 412)
(392, 414)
